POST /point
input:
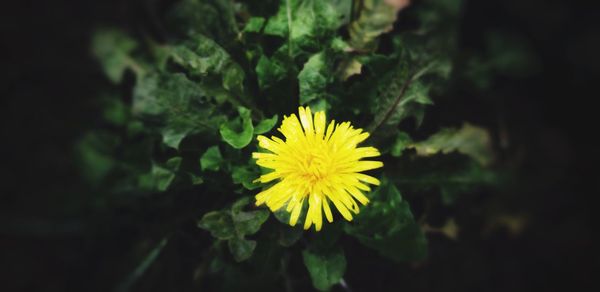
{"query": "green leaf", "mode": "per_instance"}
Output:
(269, 71)
(265, 125)
(283, 216)
(241, 248)
(288, 236)
(173, 137)
(245, 175)
(505, 54)
(412, 104)
(309, 22)
(247, 222)
(388, 226)
(314, 77)
(211, 159)
(115, 111)
(176, 107)
(238, 133)
(160, 177)
(205, 59)
(113, 49)
(218, 223)
(452, 174)
(470, 140)
(402, 141)
(374, 18)
(396, 94)
(212, 18)
(95, 157)
(195, 179)
(325, 268)
(254, 24)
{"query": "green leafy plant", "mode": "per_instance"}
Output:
(229, 70)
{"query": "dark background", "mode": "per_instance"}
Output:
(51, 240)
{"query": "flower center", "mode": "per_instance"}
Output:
(315, 168)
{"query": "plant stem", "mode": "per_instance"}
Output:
(388, 113)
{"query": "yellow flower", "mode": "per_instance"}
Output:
(315, 164)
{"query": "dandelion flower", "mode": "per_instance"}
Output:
(318, 164)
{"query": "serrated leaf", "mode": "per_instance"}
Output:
(205, 59)
(218, 223)
(326, 268)
(265, 125)
(396, 95)
(269, 71)
(211, 159)
(470, 140)
(375, 17)
(388, 226)
(314, 78)
(412, 104)
(241, 249)
(176, 107)
(309, 22)
(238, 133)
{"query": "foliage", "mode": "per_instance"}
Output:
(228, 72)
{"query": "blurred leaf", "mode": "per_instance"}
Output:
(175, 106)
(325, 268)
(452, 174)
(388, 226)
(247, 222)
(212, 18)
(269, 71)
(506, 55)
(94, 154)
(238, 133)
(141, 269)
(374, 18)
(241, 249)
(160, 177)
(203, 58)
(254, 24)
(402, 141)
(265, 125)
(469, 140)
(112, 48)
(245, 175)
(211, 159)
(218, 223)
(115, 111)
(195, 179)
(288, 236)
(310, 21)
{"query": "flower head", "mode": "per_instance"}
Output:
(316, 163)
